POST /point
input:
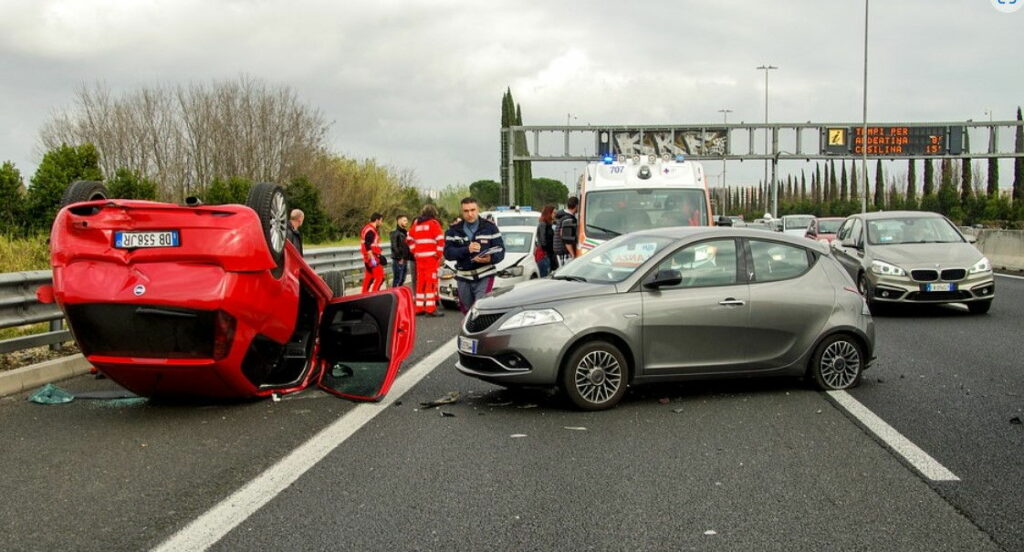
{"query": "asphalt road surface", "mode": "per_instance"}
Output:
(751, 464)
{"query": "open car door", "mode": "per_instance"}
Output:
(363, 341)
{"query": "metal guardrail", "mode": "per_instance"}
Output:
(20, 307)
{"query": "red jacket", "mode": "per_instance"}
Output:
(369, 242)
(426, 240)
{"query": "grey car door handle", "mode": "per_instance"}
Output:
(730, 302)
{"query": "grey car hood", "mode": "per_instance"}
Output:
(928, 254)
(540, 291)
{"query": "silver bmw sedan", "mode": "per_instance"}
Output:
(672, 304)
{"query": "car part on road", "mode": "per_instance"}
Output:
(335, 280)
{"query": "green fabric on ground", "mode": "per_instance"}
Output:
(51, 394)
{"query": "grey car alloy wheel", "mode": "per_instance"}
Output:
(596, 376)
(838, 365)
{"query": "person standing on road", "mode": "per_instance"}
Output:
(294, 223)
(426, 241)
(565, 239)
(373, 257)
(400, 253)
(546, 241)
(463, 243)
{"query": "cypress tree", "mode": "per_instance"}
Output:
(929, 179)
(854, 192)
(948, 198)
(993, 177)
(803, 185)
(833, 184)
(844, 191)
(508, 114)
(1018, 163)
(966, 185)
(911, 202)
(879, 186)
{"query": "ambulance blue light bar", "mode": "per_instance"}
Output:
(608, 159)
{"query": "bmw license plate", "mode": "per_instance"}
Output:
(940, 287)
(467, 345)
(135, 240)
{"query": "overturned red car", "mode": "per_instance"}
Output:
(212, 301)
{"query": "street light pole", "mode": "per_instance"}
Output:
(725, 119)
(864, 131)
(767, 68)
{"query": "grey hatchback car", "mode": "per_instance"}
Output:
(914, 257)
(672, 304)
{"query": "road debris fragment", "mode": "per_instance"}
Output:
(451, 398)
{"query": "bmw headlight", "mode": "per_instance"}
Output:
(882, 267)
(511, 272)
(981, 266)
(531, 318)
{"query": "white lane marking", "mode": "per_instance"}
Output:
(928, 466)
(210, 527)
(1011, 276)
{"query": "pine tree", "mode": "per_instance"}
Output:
(844, 191)
(879, 186)
(911, 202)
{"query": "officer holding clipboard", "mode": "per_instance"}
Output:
(475, 245)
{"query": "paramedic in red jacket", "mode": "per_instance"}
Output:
(426, 243)
(373, 259)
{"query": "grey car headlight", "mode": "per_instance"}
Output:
(882, 267)
(531, 318)
(981, 266)
(511, 272)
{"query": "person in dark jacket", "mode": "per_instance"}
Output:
(464, 242)
(565, 231)
(400, 250)
(546, 240)
(294, 223)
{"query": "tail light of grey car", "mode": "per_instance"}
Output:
(864, 310)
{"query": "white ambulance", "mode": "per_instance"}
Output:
(623, 194)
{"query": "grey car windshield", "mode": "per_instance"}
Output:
(912, 230)
(614, 260)
(517, 242)
(609, 213)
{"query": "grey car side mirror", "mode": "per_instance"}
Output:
(664, 278)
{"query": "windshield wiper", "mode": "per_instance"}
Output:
(570, 278)
(612, 232)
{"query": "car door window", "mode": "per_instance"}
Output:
(856, 234)
(844, 230)
(775, 261)
(710, 263)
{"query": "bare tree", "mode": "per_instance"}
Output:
(183, 137)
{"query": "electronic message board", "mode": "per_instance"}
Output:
(893, 140)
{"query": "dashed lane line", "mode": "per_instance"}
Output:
(919, 459)
(210, 527)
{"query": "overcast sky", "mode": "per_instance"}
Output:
(418, 84)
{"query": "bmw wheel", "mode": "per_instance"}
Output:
(596, 375)
(837, 363)
(268, 201)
